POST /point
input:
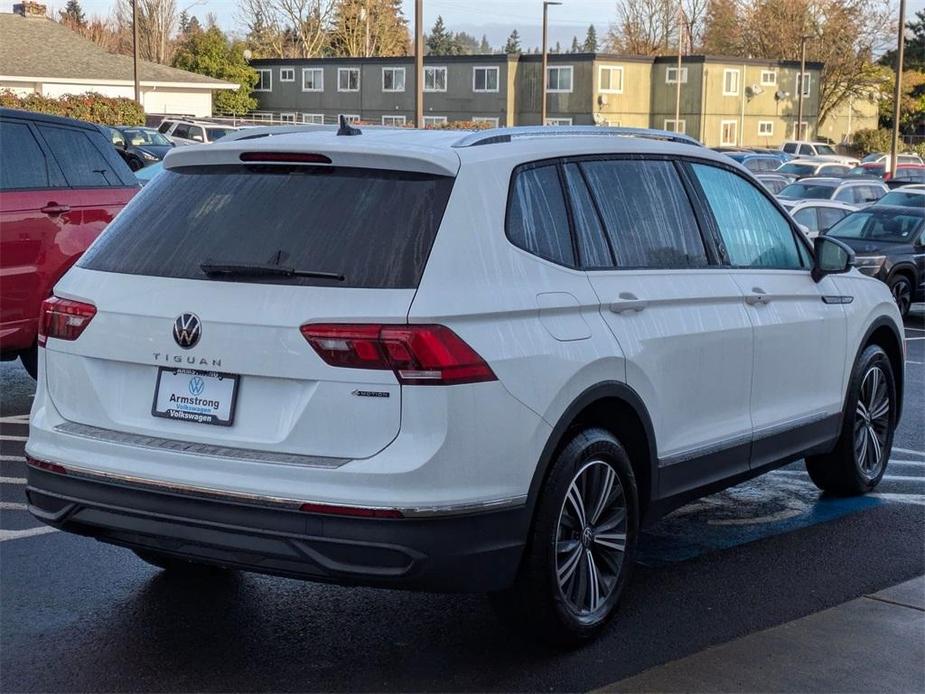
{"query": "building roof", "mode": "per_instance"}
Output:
(41, 49)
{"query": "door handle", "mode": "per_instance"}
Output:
(54, 208)
(629, 303)
(757, 297)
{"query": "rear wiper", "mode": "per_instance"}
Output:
(212, 269)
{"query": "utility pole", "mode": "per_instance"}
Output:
(545, 59)
(897, 87)
(135, 51)
(419, 63)
(677, 86)
(802, 87)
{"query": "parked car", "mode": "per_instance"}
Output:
(780, 155)
(906, 175)
(884, 158)
(904, 197)
(450, 373)
(61, 183)
(817, 216)
(880, 170)
(756, 163)
(185, 132)
(889, 243)
(804, 148)
(774, 182)
(145, 175)
(801, 168)
(140, 147)
(853, 192)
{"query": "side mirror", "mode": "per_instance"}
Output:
(832, 257)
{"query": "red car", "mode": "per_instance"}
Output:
(61, 183)
(903, 170)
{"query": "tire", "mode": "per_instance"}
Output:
(177, 566)
(30, 361)
(901, 289)
(859, 459)
(567, 613)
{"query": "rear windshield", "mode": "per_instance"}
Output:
(798, 169)
(373, 227)
(807, 191)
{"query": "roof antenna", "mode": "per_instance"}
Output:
(345, 127)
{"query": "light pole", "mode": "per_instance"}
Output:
(802, 86)
(419, 63)
(897, 87)
(545, 60)
(135, 51)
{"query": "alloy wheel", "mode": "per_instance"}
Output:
(902, 295)
(591, 538)
(872, 423)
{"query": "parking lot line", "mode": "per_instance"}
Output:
(908, 451)
(12, 480)
(11, 506)
(8, 437)
(29, 532)
(888, 478)
(15, 419)
(12, 459)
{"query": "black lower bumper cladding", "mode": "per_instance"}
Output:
(466, 553)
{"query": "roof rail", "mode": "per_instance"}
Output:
(253, 132)
(496, 135)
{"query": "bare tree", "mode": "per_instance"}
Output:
(287, 28)
(157, 24)
(643, 27)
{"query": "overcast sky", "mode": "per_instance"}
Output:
(495, 18)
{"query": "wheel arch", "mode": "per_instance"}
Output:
(616, 407)
(884, 333)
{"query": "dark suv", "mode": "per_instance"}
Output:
(61, 183)
(889, 242)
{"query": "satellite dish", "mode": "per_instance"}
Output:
(247, 54)
(781, 94)
(756, 89)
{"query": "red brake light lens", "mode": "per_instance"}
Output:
(64, 319)
(418, 354)
(286, 157)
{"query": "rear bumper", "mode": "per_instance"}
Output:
(462, 553)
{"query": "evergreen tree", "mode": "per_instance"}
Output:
(484, 47)
(211, 53)
(591, 40)
(575, 47)
(440, 41)
(388, 29)
(914, 53)
(557, 48)
(513, 43)
(73, 15)
(466, 43)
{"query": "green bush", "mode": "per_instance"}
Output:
(91, 107)
(870, 140)
(462, 125)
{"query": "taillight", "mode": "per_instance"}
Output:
(418, 354)
(63, 319)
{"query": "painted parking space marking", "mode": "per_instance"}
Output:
(15, 419)
(11, 506)
(918, 499)
(12, 459)
(29, 532)
(9, 437)
(12, 480)
(907, 451)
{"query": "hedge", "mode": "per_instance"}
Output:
(866, 141)
(91, 107)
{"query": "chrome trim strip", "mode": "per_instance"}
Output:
(201, 449)
(285, 503)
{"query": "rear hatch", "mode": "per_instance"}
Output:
(200, 289)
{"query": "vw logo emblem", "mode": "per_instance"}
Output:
(187, 330)
(196, 385)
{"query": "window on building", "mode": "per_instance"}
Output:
(558, 121)
(312, 79)
(287, 118)
(768, 78)
(675, 126)
(610, 79)
(394, 120)
(646, 213)
(434, 79)
(393, 79)
(537, 220)
(431, 121)
(765, 128)
(671, 75)
(485, 79)
(491, 120)
(730, 82)
(313, 118)
(728, 133)
(801, 132)
(264, 81)
(287, 74)
(348, 79)
(806, 82)
(559, 78)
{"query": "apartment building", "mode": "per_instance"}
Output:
(723, 101)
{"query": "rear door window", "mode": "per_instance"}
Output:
(83, 165)
(829, 216)
(181, 131)
(374, 227)
(755, 233)
(164, 127)
(807, 217)
(537, 219)
(646, 213)
(22, 162)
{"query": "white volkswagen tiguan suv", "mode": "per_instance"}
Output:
(449, 361)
